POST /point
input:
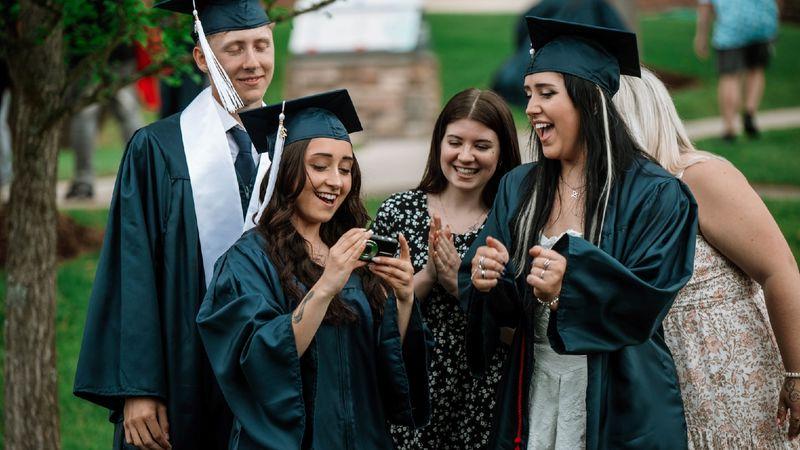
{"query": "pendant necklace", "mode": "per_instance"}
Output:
(470, 229)
(575, 192)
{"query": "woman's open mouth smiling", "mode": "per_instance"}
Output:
(544, 130)
(328, 199)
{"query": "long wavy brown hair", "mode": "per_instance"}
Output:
(289, 251)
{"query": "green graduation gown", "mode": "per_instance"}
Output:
(340, 393)
(140, 337)
(613, 300)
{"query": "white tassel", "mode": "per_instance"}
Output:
(227, 93)
(609, 168)
(276, 163)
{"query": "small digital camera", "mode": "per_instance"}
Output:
(379, 246)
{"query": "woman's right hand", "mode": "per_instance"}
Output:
(430, 266)
(488, 264)
(343, 260)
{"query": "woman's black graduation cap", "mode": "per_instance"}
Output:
(329, 114)
(596, 54)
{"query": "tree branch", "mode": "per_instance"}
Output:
(103, 91)
(319, 5)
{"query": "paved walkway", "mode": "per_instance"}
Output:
(477, 6)
(395, 165)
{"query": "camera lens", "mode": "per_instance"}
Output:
(370, 251)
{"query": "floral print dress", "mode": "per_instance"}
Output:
(728, 363)
(461, 405)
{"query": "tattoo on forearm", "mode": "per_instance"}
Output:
(298, 313)
(792, 390)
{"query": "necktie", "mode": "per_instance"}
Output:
(244, 165)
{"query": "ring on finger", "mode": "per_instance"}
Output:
(542, 275)
(480, 262)
(547, 263)
(483, 274)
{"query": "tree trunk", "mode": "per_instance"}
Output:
(31, 390)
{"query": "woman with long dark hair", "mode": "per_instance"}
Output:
(583, 252)
(312, 346)
(474, 144)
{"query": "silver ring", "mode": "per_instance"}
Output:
(547, 263)
(483, 274)
(542, 275)
(480, 262)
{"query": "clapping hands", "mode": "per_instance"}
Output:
(443, 258)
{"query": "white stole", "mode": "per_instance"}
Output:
(217, 205)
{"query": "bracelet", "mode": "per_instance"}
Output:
(554, 300)
(791, 374)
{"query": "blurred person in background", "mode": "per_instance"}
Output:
(85, 125)
(474, 144)
(744, 31)
(745, 278)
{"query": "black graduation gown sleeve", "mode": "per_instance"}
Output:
(403, 367)
(122, 351)
(630, 295)
(488, 312)
(245, 324)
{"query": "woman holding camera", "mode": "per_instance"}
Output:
(312, 346)
(474, 144)
(583, 252)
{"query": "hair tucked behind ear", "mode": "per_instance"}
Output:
(541, 185)
(288, 250)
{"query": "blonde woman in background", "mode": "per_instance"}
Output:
(718, 329)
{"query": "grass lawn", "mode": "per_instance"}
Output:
(666, 41)
(772, 159)
(787, 214)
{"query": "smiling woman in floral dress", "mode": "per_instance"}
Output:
(474, 144)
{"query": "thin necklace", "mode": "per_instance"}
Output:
(470, 229)
(574, 193)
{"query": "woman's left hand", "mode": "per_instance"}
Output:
(397, 272)
(447, 261)
(789, 406)
(547, 273)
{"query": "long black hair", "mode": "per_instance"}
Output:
(541, 185)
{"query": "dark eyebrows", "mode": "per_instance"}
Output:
(330, 156)
(544, 85)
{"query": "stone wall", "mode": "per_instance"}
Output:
(396, 95)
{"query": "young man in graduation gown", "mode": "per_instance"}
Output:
(180, 200)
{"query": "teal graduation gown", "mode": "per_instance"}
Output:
(140, 337)
(340, 393)
(613, 300)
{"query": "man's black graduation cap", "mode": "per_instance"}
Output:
(329, 114)
(596, 54)
(221, 15)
